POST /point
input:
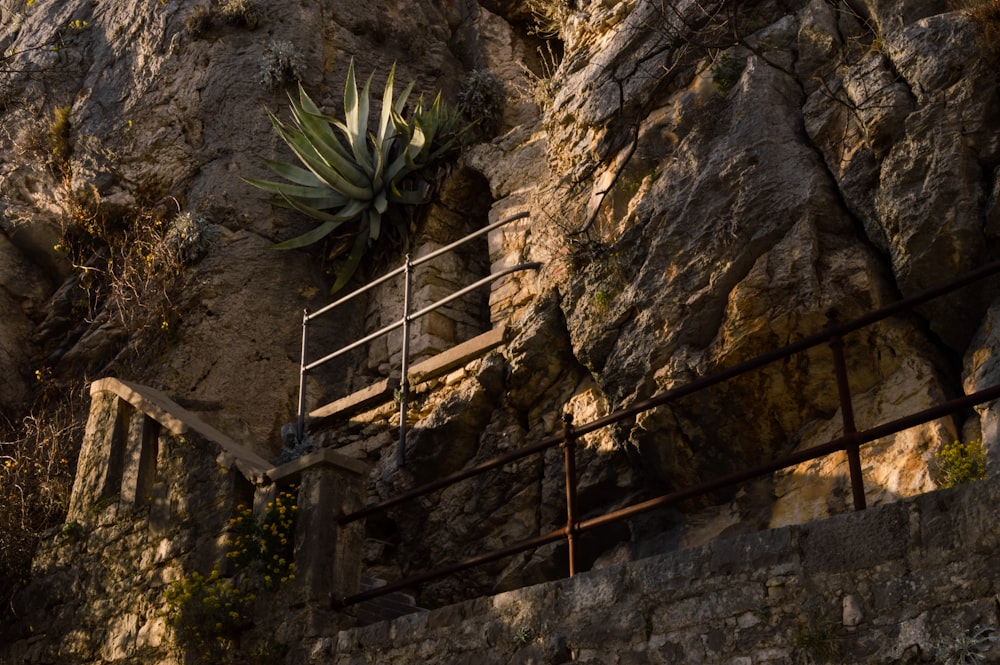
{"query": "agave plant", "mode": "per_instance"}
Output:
(352, 176)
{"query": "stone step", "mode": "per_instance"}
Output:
(385, 607)
(432, 368)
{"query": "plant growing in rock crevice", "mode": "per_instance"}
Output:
(58, 140)
(968, 648)
(198, 22)
(245, 13)
(986, 15)
(482, 98)
(356, 182)
(281, 65)
(960, 462)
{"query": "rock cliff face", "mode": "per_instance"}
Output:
(705, 180)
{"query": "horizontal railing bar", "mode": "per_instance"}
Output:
(804, 344)
(426, 310)
(534, 265)
(456, 477)
(357, 292)
(792, 459)
(486, 229)
(451, 569)
(839, 444)
(353, 345)
(415, 262)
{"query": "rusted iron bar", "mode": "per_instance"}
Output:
(404, 381)
(847, 414)
(668, 396)
(836, 445)
(569, 448)
(456, 477)
(839, 444)
(803, 344)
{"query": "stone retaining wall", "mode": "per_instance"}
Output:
(893, 584)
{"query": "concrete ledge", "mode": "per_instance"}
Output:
(325, 457)
(362, 400)
(457, 356)
(179, 420)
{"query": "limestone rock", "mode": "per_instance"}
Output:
(982, 370)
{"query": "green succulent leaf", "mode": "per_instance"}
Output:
(347, 174)
(310, 237)
(352, 262)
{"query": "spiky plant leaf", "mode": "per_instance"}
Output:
(348, 175)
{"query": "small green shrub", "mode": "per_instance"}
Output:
(266, 546)
(214, 609)
(524, 636)
(189, 237)
(281, 65)
(726, 71)
(208, 608)
(483, 98)
(959, 462)
(71, 530)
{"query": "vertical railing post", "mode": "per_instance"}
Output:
(569, 450)
(847, 413)
(404, 382)
(300, 428)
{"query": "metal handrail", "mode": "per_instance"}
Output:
(404, 322)
(850, 441)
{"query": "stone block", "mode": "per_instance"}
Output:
(860, 540)
(959, 520)
(98, 474)
(121, 639)
(759, 551)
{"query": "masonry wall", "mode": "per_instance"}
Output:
(902, 583)
(155, 490)
(149, 507)
(914, 581)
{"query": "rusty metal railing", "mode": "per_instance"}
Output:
(849, 442)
